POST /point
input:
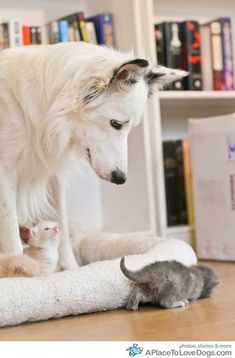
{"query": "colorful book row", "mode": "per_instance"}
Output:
(205, 51)
(97, 29)
(178, 182)
(14, 34)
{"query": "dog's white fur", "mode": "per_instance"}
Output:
(56, 102)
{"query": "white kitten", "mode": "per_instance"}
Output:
(44, 239)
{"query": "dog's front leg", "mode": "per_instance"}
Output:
(10, 242)
(67, 260)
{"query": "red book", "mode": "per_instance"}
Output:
(191, 55)
(26, 35)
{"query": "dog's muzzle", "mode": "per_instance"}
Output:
(118, 177)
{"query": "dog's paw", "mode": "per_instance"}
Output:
(65, 264)
(67, 260)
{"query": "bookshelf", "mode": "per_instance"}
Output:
(139, 204)
(173, 108)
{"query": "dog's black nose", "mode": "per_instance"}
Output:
(118, 177)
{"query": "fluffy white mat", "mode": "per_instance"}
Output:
(95, 287)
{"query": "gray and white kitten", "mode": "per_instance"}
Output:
(169, 284)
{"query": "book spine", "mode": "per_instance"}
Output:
(54, 32)
(80, 20)
(171, 183)
(206, 58)
(160, 44)
(26, 35)
(63, 30)
(33, 35)
(91, 32)
(173, 46)
(191, 55)
(217, 56)
(104, 29)
(188, 181)
(6, 40)
(1, 37)
(181, 203)
(77, 36)
(227, 51)
(15, 33)
(233, 44)
(84, 32)
(39, 35)
(71, 32)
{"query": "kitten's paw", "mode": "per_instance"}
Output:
(180, 304)
(175, 304)
(131, 307)
(22, 266)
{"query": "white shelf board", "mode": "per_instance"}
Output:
(208, 95)
(184, 232)
(179, 229)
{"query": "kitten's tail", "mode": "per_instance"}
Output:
(136, 276)
(210, 281)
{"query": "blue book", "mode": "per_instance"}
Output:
(104, 28)
(63, 31)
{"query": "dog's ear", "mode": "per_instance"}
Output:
(161, 77)
(129, 73)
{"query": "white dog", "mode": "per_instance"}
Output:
(59, 103)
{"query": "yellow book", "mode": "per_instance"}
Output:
(85, 36)
(188, 181)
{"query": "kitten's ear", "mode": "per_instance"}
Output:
(161, 77)
(129, 73)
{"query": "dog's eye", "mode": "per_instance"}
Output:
(115, 124)
(47, 228)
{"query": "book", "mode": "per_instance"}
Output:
(160, 43)
(90, 27)
(182, 208)
(213, 166)
(174, 183)
(26, 35)
(233, 43)
(74, 25)
(63, 31)
(173, 49)
(1, 37)
(171, 190)
(15, 33)
(33, 35)
(217, 56)
(53, 32)
(104, 28)
(5, 41)
(39, 34)
(71, 32)
(188, 181)
(84, 32)
(206, 58)
(227, 54)
(191, 55)
(36, 35)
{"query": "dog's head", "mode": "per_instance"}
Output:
(112, 106)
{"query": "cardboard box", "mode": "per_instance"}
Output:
(213, 171)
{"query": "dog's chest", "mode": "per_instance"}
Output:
(34, 202)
